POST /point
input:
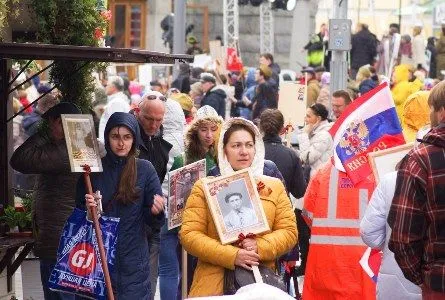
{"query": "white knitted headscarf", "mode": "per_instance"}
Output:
(258, 161)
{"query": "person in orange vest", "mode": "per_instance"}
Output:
(333, 207)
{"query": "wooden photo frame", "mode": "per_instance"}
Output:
(235, 205)
(385, 161)
(81, 142)
(180, 183)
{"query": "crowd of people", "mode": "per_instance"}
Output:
(316, 215)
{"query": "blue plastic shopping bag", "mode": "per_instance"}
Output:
(78, 269)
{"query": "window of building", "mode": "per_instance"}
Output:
(127, 26)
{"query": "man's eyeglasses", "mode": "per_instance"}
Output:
(154, 97)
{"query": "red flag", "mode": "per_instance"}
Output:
(233, 61)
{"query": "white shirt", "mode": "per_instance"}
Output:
(241, 218)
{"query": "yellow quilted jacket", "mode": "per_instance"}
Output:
(200, 238)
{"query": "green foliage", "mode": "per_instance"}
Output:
(27, 203)
(22, 219)
(33, 67)
(68, 22)
(10, 217)
(8, 9)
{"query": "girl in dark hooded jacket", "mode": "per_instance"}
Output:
(130, 191)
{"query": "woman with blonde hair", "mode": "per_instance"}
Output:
(239, 147)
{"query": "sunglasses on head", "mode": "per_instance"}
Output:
(154, 97)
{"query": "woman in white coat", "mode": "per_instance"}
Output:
(375, 232)
(314, 140)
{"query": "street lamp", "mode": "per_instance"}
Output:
(284, 4)
(291, 4)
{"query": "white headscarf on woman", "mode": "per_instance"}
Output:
(258, 161)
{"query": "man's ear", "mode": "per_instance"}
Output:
(441, 113)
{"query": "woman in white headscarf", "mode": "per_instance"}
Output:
(240, 146)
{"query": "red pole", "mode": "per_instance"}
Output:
(103, 257)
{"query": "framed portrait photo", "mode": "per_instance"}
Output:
(235, 205)
(385, 161)
(180, 183)
(81, 142)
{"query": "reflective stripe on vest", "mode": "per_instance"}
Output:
(337, 240)
(332, 222)
(307, 214)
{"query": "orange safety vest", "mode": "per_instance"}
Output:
(333, 207)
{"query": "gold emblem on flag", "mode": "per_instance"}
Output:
(355, 139)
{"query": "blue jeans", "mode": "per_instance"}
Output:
(169, 271)
(46, 267)
(153, 244)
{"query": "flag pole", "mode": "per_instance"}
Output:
(103, 257)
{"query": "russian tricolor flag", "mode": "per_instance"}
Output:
(369, 123)
(371, 262)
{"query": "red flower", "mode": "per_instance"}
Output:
(262, 189)
(260, 186)
(106, 14)
(242, 237)
(98, 33)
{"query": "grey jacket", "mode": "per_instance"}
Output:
(54, 192)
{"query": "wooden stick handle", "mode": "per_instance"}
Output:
(100, 243)
(257, 274)
(184, 274)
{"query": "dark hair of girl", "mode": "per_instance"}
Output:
(320, 111)
(237, 127)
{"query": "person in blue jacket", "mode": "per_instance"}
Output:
(130, 191)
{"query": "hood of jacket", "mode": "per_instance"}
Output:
(121, 119)
(401, 73)
(416, 114)
(258, 160)
(435, 137)
(174, 118)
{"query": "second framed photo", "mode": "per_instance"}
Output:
(235, 205)
(180, 183)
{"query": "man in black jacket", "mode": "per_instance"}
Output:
(150, 115)
(364, 49)
(213, 97)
